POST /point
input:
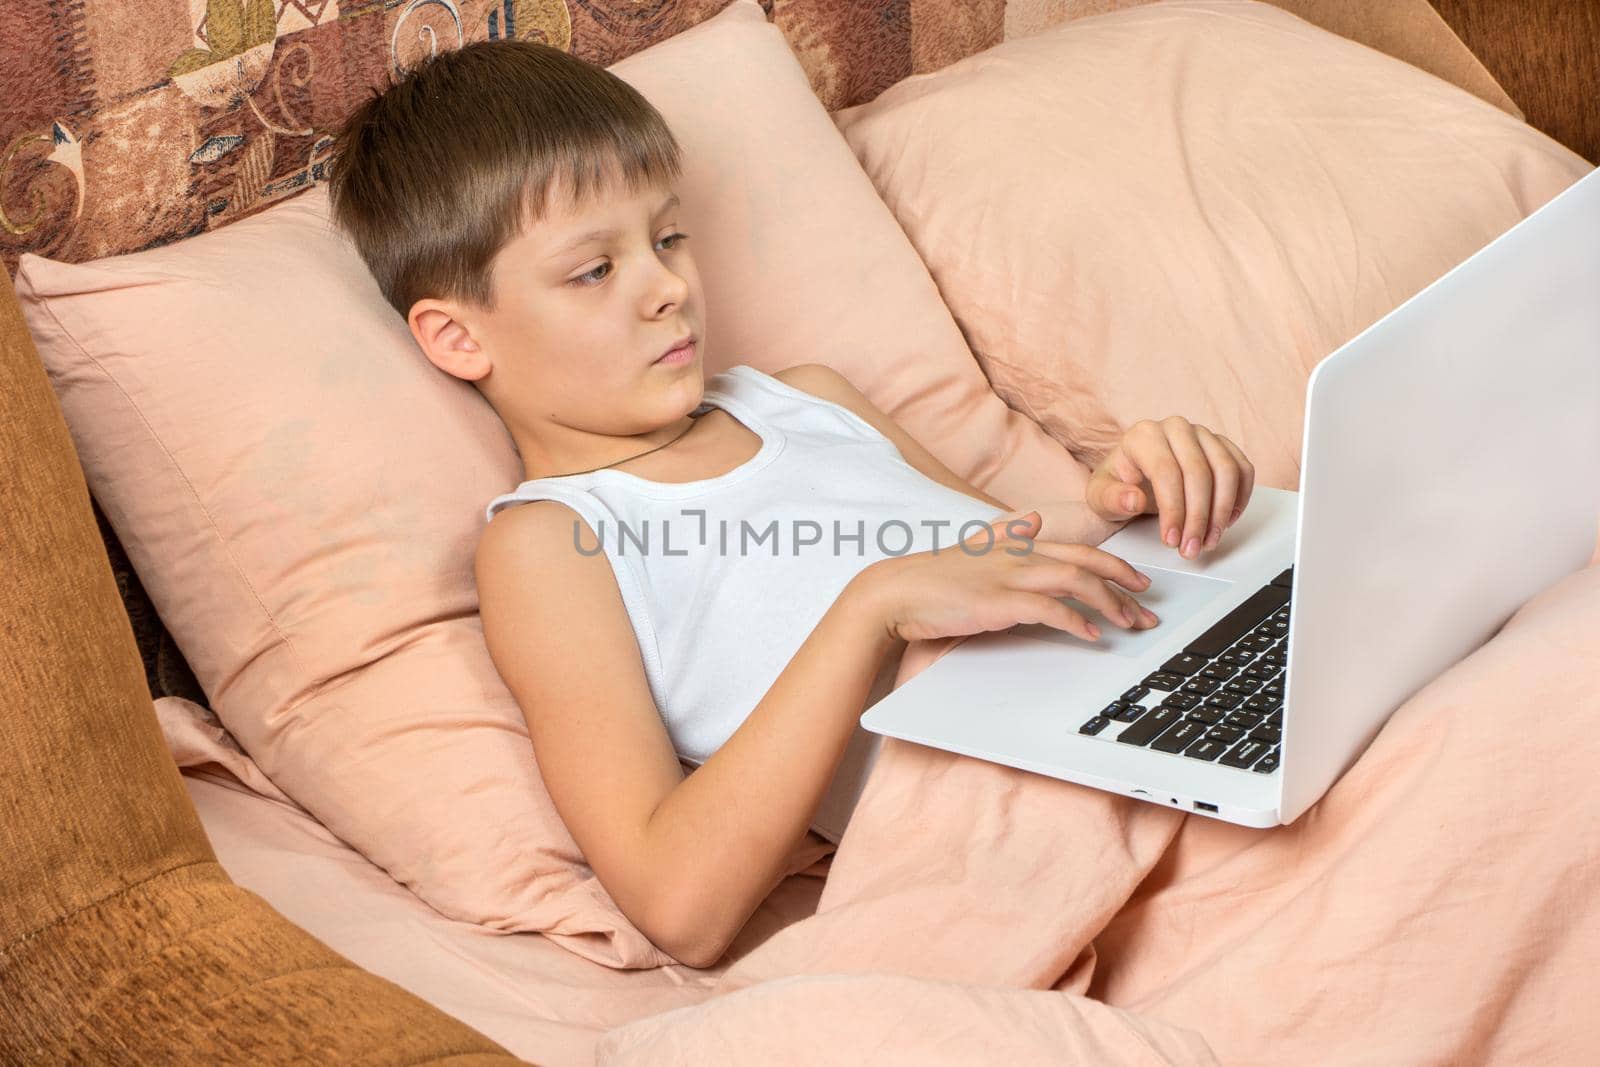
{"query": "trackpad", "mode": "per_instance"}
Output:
(1173, 595)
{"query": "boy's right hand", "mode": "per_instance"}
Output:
(996, 583)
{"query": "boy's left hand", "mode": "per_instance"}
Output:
(1197, 481)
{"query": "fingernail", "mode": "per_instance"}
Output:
(1211, 538)
(1234, 517)
(1146, 577)
(1130, 500)
(1094, 631)
(1191, 546)
(1152, 616)
(1172, 537)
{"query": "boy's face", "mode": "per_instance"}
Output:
(587, 300)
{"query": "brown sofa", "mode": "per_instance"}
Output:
(121, 937)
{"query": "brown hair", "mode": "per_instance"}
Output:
(435, 174)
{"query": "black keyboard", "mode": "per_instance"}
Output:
(1219, 700)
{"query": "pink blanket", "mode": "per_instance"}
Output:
(1440, 905)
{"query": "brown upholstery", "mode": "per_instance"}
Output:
(121, 938)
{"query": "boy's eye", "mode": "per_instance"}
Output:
(593, 277)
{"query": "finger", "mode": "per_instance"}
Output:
(1247, 479)
(1016, 520)
(1056, 578)
(1029, 607)
(1224, 483)
(1114, 487)
(1147, 445)
(1016, 526)
(1142, 617)
(1013, 532)
(1197, 482)
(1103, 563)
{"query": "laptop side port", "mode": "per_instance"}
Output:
(1201, 805)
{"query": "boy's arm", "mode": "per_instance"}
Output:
(1060, 520)
(686, 859)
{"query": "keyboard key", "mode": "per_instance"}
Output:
(1205, 713)
(1206, 749)
(1094, 725)
(1286, 579)
(1225, 701)
(1225, 733)
(1243, 719)
(1239, 657)
(1183, 664)
(1163, 681)
(1199, 686)
(1276, 718)
(1259, 702)
(1181, 701)
(1270, 734)
(1218, 672)
(1234, 624)
(1179, 737)
(1243, 754)
(1125, 712)
(1242, 687)
(1260, 672)
(1134, 695)
(1268, 763)
(1149, 726)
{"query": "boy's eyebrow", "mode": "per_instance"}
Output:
(601, 235)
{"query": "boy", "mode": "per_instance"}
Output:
(516, 206)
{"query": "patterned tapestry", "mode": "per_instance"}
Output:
(129, 125)
(126, 124)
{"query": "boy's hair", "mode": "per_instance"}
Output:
(434, 175)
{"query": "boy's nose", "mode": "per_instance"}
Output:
(674, 290)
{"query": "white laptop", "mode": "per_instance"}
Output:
(1451, 470)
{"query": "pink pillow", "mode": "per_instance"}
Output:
(302, 492)
(1182, 207)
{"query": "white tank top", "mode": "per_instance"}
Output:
(724, 578)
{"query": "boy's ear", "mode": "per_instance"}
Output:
(446, 340)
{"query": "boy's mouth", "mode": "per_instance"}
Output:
(682, 351)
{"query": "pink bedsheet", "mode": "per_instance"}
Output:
(1440, 905)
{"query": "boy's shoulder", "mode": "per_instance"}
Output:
(816, 380)
(524, 537)
(822, 382)
(810, 375)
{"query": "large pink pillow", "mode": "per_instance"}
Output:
(302, 492)
(1182, 207)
